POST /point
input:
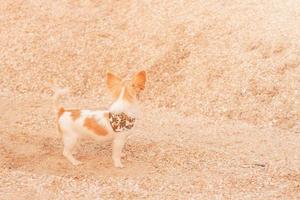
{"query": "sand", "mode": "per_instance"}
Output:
(221, 108)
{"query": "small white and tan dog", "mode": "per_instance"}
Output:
(113, 124)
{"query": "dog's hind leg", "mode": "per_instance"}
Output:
(70, 140)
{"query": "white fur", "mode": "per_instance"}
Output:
(74, 130)
(120, 105)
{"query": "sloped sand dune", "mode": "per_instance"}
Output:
(221, 107)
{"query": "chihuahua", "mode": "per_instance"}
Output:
(114, 124)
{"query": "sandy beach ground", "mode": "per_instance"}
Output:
(220, 112)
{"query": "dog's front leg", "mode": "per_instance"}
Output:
(118, 144)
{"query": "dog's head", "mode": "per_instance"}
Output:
(132, 88)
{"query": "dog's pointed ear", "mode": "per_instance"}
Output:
(112, 80)
(139, 80)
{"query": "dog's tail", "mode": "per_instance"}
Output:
(58, 92)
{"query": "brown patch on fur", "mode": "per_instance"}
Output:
(92, 125)
(60, 112)
(113, 81)
(139, 81)
(75, 114)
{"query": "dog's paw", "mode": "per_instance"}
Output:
(118, 165)
(76, 162)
